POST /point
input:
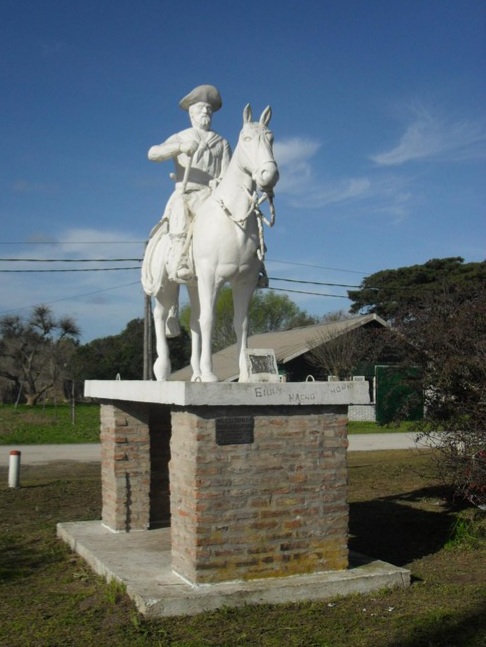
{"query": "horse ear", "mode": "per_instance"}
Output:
(266, 116)
(247, 114)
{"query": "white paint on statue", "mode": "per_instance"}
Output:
(211, 229)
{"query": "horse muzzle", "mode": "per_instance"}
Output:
(266, 176)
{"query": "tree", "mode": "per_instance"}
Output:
(341, 355)
(389, 292)
(445, 335)
(336, 315)
(268, 312)
(35, 351)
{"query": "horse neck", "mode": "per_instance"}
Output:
(236, 186)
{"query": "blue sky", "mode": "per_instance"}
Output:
(378, 116)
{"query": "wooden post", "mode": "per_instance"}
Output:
(147, 339)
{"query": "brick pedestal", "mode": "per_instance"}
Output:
(125, 466)
(268, 501)
(270, 508)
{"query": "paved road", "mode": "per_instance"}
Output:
(41, 454)
(38, 454)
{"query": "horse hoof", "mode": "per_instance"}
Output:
(209, 377)
(161, 370)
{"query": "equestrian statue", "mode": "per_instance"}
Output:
(211, 232)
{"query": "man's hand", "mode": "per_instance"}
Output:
(189, 148)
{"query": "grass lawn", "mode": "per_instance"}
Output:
(50, 598)
(57, 424)
(49, 424)
(358, 427)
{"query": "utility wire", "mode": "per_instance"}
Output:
(144, 242)
(338, 285)
(320, 267)
(137, 260)
(115, 269)
(91, 269)
(70, 260)
(76, 242)
(74, 296)
(319, 294)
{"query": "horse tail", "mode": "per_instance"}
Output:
(153, 266)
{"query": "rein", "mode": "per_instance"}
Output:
(254, 208)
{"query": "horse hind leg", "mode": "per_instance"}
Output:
(208, 290)
(165, 304)
(195, 333)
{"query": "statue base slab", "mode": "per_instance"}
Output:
(142, 561)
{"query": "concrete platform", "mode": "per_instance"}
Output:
(195, 394)
(142, 561)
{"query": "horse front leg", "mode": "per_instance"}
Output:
(242, 293)
(164, 301)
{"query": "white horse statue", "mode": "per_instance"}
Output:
(227, 243)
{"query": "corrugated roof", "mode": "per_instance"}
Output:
(287, 344)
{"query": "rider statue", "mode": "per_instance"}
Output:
(201, 157)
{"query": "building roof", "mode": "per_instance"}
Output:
(287, 345)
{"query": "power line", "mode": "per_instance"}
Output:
(144, 242)
(70, 260)
(319, 294)
(74, 296)
(91, 269)
(136, 260)
(126, 285)
(116, 269)
(338, 285)
(320, 267)
(75, 242)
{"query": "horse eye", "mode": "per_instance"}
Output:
(247, 138)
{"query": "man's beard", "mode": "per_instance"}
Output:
(204, 123)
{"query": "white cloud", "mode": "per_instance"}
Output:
(293, 157)
(294, 149)
(343, 190)
(360, 196)
(429, 137)
(306, 190)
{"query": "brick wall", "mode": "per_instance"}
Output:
(125, 466)
(273, 507)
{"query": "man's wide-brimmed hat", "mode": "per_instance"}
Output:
(207, 93)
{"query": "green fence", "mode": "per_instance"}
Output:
(398, 394)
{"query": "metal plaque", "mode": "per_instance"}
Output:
(262, 365)
(235, 430)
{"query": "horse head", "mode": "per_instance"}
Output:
(255, 146)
